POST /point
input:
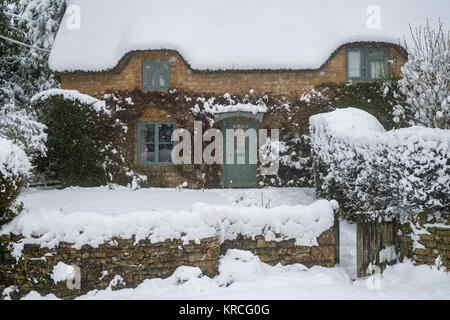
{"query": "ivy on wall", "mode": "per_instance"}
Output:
(82, 140)
(378, 98)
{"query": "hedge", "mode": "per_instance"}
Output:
(376, 172)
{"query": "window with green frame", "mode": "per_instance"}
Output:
(367, 63)
(155, 74)
(154, 142)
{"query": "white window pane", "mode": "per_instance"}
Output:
(354, 64)
(163, 78)
(149, 75)
(378, 70)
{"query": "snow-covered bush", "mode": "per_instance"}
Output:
(426, 82)
(14, 169)
(86, 142)
(377, 98)
(28, 28)
(295, 162)
(23, 69)
(373, 171)
(33, 24)
(20, 126)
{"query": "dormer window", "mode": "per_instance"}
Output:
(367, 63)
(155, 75)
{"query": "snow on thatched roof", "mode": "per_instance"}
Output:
(231, 34)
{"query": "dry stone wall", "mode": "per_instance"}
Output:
(286, 252)
(135, 262)
(98, 266)
(426, 240)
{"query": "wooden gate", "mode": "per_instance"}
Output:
(376, 243)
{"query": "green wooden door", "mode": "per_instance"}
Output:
(238, 175)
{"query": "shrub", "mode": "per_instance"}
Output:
(14, 169)
(371, 171)
(378, 98)
(85, 141)
(426, 82)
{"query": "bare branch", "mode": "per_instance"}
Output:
(17, 16)
(23, 44)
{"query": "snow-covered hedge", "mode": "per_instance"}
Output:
(86, 142)
(73, 95)
(373, 171)
(14, 168)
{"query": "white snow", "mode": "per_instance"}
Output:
(7, 292)
(347, 247)
(19, 125)
(360, 126)
(412, 163)
(242, 215)
(123, 200)
(387, 254)
(352, 123)
(62, 272)
(231, 34)
(219, 108)
(13, 160)
(117, 280)
(72, 95)
(243, 276)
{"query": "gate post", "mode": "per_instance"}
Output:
(337, 248)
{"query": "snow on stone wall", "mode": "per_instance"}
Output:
(49, 227)
(132, 260)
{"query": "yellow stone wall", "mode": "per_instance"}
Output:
(127, 76)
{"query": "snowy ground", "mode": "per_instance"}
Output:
(242, 275)
(105, 201)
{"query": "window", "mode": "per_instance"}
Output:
(155, 75)
(367, 63)
(154, 142)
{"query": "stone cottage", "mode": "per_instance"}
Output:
(213, 49)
